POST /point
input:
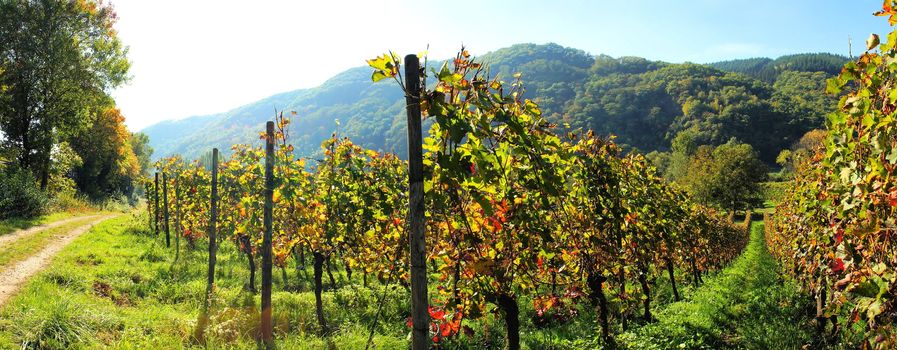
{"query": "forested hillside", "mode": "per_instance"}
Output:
(645, 103)
(769, 70)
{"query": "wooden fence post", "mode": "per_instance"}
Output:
(156, 212)
(267, 329)
(213, 230)
(420, 317)
(149, 205)
(177, 218)
(165, 206)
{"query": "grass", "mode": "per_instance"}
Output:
(32, 244)
(119, 287)
(9, 225)
(746, 306)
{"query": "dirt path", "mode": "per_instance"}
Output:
(15, 276)
(15, 235)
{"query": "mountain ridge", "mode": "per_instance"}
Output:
(570, 85)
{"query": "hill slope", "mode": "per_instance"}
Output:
(645, 103)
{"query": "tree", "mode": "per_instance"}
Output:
(109, 164)
(804, 149)
(57, 59)
(728, 176)
(142, 150)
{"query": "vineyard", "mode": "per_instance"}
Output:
(834, 231)
(513, 212)
(514, 219)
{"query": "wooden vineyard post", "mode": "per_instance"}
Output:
(267, 329)
(165, 206)
(149, 205)
(156, 212)
(177, 218)
(213, 241)
(420, 317)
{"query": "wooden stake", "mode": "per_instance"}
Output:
(420, 316)
(165, 206)
(156, 213)
(213, 230)
(177, 219)
(267, 329)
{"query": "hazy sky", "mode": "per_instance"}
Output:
(195, 57)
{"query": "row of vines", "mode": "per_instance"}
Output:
(835, 229)
(514, 212)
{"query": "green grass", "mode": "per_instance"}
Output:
(9, 225)
(747, 306)
(119, 287)
(34, 243)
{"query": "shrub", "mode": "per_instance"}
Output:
(19, 195)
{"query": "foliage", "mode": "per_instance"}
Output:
(728, 176)
(19, 195)
(746, 306)
(140, 147)
(503, 227)
(772, 70)
(58, 59)
(833, 229)
(108, 161)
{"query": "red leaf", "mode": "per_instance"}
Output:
(437, 314)
(837, 266)
(445, 329)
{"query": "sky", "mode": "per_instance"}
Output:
(199, 57)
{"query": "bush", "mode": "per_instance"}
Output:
(19, 195)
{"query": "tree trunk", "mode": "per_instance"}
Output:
(330, 275)
(457, 277)
(45, 170)
(672, 279)
(247, 248)
(820, 311)
(694, 271)
(646, 290)
(319, 287)
(622, 281)
(595, 281)
(300, 267)
(508, 306)
(348, 270)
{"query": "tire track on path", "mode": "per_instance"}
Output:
(12, 278)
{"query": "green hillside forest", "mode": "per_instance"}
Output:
(768, 104)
